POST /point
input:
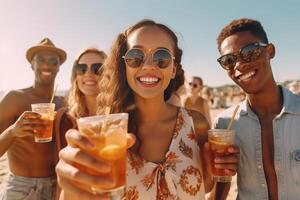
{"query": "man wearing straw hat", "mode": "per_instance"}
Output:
(31, 165)
(268, 122)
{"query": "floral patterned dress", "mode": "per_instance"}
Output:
(178, 178)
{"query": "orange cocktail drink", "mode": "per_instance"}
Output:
(46, 110)
(108, 134)
(220, 140)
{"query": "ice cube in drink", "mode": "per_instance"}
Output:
(110, 145)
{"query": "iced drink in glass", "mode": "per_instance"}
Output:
(46, 110)
(220, 140)
(108, 134)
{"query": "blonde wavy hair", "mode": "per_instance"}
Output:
(76, 100)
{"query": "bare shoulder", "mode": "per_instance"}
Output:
(201, 99)
(13, 98)
(185, 99)
(12, 105)
(200, 121)
(201, 126)
(172, 111)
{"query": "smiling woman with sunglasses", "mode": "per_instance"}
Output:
(142, 71)
(82, 95)
(83, 92)
(84, 79)
(194, 100)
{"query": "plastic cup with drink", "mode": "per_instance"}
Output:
(108, 134)
(220, 140)
(47, 112)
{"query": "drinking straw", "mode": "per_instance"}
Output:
(53, 94)
(232, 118)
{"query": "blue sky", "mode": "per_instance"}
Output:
(76, 24)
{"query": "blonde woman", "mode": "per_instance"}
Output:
(84, 90)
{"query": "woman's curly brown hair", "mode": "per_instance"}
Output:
(115, 91)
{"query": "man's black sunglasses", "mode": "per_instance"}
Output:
(248, 53)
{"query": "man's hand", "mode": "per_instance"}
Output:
(27, 123)
(226, 160)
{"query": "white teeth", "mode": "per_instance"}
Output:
(246, 76)
(46, 73)
(148, 79)
(90, 83)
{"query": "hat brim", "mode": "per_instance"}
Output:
(33, 50)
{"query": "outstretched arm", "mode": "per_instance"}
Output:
(201, 127)
(75, 182)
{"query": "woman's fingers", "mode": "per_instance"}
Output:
(79, 169)
(75, 139)
(70, 154)
(75, 174)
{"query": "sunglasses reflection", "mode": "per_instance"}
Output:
(160, 57)
(249, 53)
(83, 68)
(42, 61)
(193, 85)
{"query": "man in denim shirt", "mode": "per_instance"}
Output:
(268, 121)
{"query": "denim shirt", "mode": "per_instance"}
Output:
(251, 179)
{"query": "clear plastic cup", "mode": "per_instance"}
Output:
(108, 134)
(220, 140)
(46, 110)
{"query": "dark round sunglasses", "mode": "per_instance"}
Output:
(52, 61)
(136, 57)
(194, 85)
(83, 68)
(248, 53)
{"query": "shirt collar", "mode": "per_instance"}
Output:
(291, 104)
